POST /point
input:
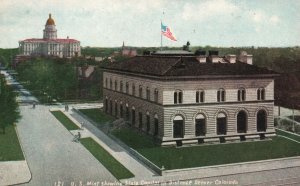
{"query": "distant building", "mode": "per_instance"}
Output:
(50, 45)
(128, 51)
(184, 98)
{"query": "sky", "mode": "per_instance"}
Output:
(107, 23)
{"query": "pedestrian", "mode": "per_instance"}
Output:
(33, 105)
(67, 107)
(79, 135)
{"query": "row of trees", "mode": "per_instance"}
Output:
(58, 79)
(9, 112)
(6, 56)
(49, 77)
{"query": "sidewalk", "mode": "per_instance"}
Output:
(14, 172)
(119, 153)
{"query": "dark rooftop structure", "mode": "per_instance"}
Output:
(169, 66)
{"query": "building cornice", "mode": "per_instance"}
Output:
(201, 77)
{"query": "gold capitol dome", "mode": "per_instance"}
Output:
(50, 21)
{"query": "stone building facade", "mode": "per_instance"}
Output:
(50, 45)
(183, 100)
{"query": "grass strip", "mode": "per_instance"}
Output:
(65, 120)
(97, 115)
(287, 134)
(208, 155)
(10, 149)
(113, 166)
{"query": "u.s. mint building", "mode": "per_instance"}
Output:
(50, 45)
(192, 99)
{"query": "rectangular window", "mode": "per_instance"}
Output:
(180, 97)
(148, 94)
(223, 95)
(175, 97)
(202, 97)
(156, 95)
(141, 92)
(133, 90)
(197, 97)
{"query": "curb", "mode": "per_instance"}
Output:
(17, 132)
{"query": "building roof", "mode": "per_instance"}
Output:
(50, 21)
(51, 40)
(184, 66)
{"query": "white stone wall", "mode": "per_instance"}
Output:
(211, 111)
(50, 48)
(211, 87)
(167, 110)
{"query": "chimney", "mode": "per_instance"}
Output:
(201, 56)
(231, 58)
(213, 56)
(246, 58)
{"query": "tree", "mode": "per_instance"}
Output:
(187, 46)
(8, 106)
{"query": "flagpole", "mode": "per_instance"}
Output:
(160, 36)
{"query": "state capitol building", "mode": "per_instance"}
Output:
(50, 45)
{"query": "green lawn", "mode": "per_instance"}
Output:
(97, 115)
(65, 120)
(10, 148)
(116, 168)
(289, 135)
(206, 155)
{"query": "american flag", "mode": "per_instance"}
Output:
(166, 31)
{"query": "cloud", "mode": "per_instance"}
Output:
(257, 16)
(208, 9)
(274, 19)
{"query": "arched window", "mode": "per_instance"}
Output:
(121, 86)
(106, 105)
(221, 124)
(133, 116)
(155, 125)
(261, 121)
(199, 96)
(127, 112)
(116, 85)
(221, 95)
(200, 125)
(148, 93)
(261, 94)
(241, 94)
(116, 108)
(127, 88)
(177, 97)
(140, 120)
(133, 89)
(178, 127)
(141, 91)
(147, 121)
(121, 110)
(156, 95)
(111, 107)
(241, 122)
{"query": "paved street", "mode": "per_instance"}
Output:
(51, 154)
